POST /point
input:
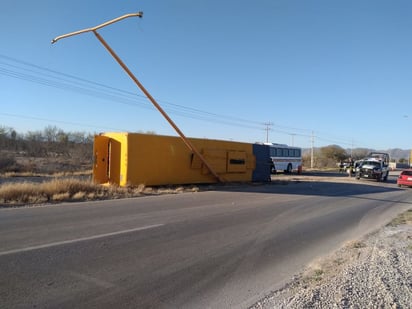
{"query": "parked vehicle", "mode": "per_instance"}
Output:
(405, 178)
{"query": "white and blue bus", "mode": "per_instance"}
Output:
(285, 158)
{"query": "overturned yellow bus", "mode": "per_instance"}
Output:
(134, 158)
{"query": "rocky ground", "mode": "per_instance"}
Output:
(374, 272)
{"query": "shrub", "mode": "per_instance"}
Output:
(7, 164)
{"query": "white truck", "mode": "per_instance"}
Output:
(375, 166)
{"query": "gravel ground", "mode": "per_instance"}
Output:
(374, 272)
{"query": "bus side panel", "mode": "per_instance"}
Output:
(134, 159)
(263, 163)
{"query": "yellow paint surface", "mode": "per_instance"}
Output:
(148, 159)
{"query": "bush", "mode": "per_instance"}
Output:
(8, 164)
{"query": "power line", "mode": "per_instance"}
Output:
(58, 121)
(99, 87)
(29, 72)
(102, 91)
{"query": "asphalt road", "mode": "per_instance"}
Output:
(224, 248)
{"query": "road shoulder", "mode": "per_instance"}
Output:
(374, 271)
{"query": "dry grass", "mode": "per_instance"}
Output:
(71, 189)
(56, 174)
(54, 190)
(403, 218)
(356, 244)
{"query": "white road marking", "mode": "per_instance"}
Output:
(71, 241)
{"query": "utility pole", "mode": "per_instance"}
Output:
(293, 139)
(267, 129)
(311, 150)
(141, 87)
(351, 149)
(410, 155)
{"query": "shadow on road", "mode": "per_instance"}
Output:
(316, 183)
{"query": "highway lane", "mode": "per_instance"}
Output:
(219, 249)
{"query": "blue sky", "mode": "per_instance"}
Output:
(331, 72)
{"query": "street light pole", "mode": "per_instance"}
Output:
(138, 14)
(141, 87)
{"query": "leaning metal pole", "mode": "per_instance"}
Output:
(142, 88)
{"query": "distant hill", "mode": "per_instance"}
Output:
(397, 153)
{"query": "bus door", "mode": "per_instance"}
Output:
(101, 157)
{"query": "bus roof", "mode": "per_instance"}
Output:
(274, 144)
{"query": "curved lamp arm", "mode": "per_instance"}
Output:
(138, 14)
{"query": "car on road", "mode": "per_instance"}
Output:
(405, 178)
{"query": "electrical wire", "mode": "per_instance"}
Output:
(29, 72)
